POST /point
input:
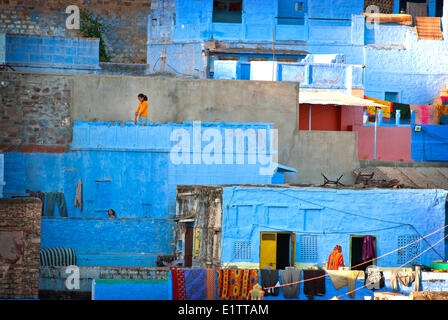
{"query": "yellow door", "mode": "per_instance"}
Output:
(293, 250)
(268, 249)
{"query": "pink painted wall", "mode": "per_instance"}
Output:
(393, 143)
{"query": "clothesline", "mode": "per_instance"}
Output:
(386, 254)
(371, 282)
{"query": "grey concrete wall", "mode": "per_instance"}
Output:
(329, 152)
(114, 98)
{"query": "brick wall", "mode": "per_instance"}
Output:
(126, 22)
(19, 248)
(35, 112)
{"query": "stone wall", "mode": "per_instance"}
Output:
(19, 248)
(126, 23)
(35, 112)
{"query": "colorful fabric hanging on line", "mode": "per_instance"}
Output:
(211, 284)
(178, 284)
(235, 284)
(405, 110)
(426, 114)
(195, 284)
(444, 100)
(387, 109)
(442, 110)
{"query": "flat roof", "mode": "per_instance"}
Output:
(334, 98)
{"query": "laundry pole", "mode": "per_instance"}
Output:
(374, 141)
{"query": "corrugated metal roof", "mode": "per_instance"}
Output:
(417, 177)
(334, 98)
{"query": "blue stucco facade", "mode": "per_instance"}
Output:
(330, 217)
(2, 48)
(52, 54)
(132, 289)
(396, 61)
(430, 143)
(126, 168)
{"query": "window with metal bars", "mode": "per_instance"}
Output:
(409, 252)
(242, 250)
(308, 248)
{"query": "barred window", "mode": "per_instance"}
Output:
(242, 250)
(409, 252)
(308, 248)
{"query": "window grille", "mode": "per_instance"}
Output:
(308, 248)
(242, 250)
(409, 252)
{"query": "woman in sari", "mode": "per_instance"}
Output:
(335, 259)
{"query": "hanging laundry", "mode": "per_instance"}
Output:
(290, 276)
(269, 278)
(178, 284)
(368, 248)
(405, 278)
(235, 284)
(444, 100)
(417, 9)
(40, 195)
(315, 287)
(425, 114)
(373, 279)
(78, 198)
(405, 110)
(428, 28)
(211, 284)
(53, 198)
(195, 284)
(442, 112)
(342, 278)
(388, 106)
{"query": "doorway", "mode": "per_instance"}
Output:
(283, 256)
(277, 250)
(188, 256)
(356, 262)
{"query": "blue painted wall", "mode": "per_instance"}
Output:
(396, 61)
(2, 48)
(126, 168)
(52, 54)
(132, 290)
(430, 144)
(332, 216)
